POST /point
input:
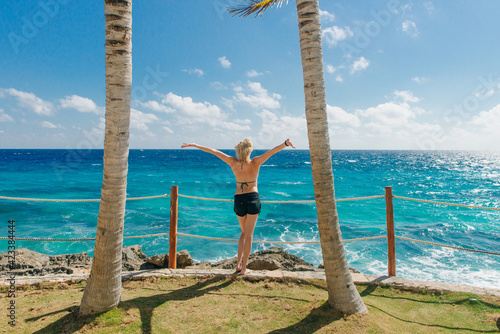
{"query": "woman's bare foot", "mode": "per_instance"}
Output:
(244, 272)
(238, 267)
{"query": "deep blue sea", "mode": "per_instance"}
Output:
(471, 178)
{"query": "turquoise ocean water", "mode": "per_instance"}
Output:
(471, 178)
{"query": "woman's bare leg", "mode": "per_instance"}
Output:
(247, 236)
(242, 221)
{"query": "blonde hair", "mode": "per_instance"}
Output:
(244, 149)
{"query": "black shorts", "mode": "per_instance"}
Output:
(248, 203)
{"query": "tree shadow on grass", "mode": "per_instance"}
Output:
(432, 325)
(318, 318)
(72, 323)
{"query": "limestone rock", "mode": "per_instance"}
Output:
(161, 261)
(24, 259)
(225, 264)
(78, 260)
(352, 270)
(302, 267)
(184, 259)
(263, 264)
(203, 265)
(275, 255)
(134, 259)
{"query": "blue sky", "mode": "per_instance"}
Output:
(415, 75)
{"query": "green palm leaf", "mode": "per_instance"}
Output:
(248, 7)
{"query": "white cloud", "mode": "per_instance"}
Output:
(154, 105)
(325, 16)
(96, 133)
(387, 117)
(193, 112)
(167, 129)
(257, 96)
(81, 104)
(335, 34)
(339, 78)
(195, 71)
(276, 128)
(31, 102)
(420, 80)
(410, 28)
(489, 119)
(51, 125)
(140, 120)
(218, 85)
(225, 63)
(339, 117)
(429, 6)
(480, 133)
(399, 125)
(406, 96)
(4, 117)
(190, 113)
(359, 65)
(330, 69)
(236, 125)
(253, 73)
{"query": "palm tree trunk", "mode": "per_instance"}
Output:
(342, 294)
(103, 289)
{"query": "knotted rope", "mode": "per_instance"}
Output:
(274, 242)
(449, 204)
(281, 202)
(74, 200)
(446, 246)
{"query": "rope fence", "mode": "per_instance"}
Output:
(75, 200)
(84, 239)
(446, 246)
(282, 202)
(173, 223)
(449, 204)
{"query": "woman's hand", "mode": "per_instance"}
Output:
(188, 145)
(289, 143)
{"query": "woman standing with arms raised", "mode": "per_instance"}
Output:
(246, 198)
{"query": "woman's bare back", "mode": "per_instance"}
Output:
(246, 174)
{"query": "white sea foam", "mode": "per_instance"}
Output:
(281, 193)
(291, 183)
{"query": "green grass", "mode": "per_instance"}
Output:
(234, 305)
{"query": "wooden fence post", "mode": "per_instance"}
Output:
(172, 259)
(391, 244)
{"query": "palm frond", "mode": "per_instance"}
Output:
(245, 8)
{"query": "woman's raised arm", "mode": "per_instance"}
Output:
(223, 156)
(263, 158)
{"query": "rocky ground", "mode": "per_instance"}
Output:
(30, 263)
